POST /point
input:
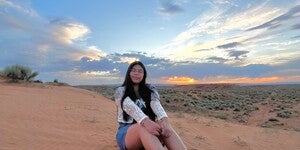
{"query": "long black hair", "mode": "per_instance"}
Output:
(144, 91)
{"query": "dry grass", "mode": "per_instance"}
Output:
(230, 102)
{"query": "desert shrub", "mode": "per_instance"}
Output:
(19, 72)
(38, 81)
(221, 116)
(284, 114)
(200, 137)
(55, 81)
(239, 141)
(273, 120)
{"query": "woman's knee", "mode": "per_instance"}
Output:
(141, 130)
(138, 130)
(132, 138)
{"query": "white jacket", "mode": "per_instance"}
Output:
(133, 110)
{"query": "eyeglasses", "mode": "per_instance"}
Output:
(137, 70)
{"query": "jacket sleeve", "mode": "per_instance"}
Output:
(129, 106)
(118, 95)
(156, 105)
(133, 110)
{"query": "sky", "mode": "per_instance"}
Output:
(179, 41)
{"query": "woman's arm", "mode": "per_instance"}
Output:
(156, 105)
(136, 113)
(133, 110)
(129, 106)
(160, 113)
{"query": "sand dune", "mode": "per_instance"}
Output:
(41, 117)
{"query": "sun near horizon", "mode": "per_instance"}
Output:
(184, 80)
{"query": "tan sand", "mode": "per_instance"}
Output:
(42, 117)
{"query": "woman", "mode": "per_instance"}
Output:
(143, 123)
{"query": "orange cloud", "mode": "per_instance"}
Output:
(253, 80)
(227, 79)
(180, 80)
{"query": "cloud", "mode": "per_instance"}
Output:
(46, 45)
(241, 80)
(296, 37)
(91, 52)
(104, 64)
(24, 8)
(67, 31)
(121, 61)
(188, 72)
(220, 20)
(237, 54)
(219, 26)
(109, 69)
(200, 70)
(128, 60)
(16, 17)
(217, 59)
(102, 73)
(296, 27)
(229, 45)
(250, 15)
(144, 57)
(206, 34)
(170, 7)
(292, 13)
(199, 50)
(278, 57)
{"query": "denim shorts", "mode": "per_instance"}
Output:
(121, 133)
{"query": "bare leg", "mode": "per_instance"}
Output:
(173, 142)
(137, 137)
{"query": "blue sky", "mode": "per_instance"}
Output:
(179, 41)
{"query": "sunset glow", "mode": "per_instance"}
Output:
(247, 80)
(180, 80)
(184, 80)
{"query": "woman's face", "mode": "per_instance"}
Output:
(136, 74)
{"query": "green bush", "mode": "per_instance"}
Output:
(19, 72)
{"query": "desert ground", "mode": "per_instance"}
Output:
(35, 116)
(269, 106)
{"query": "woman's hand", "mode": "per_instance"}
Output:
(165, 127)
(152, 127)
